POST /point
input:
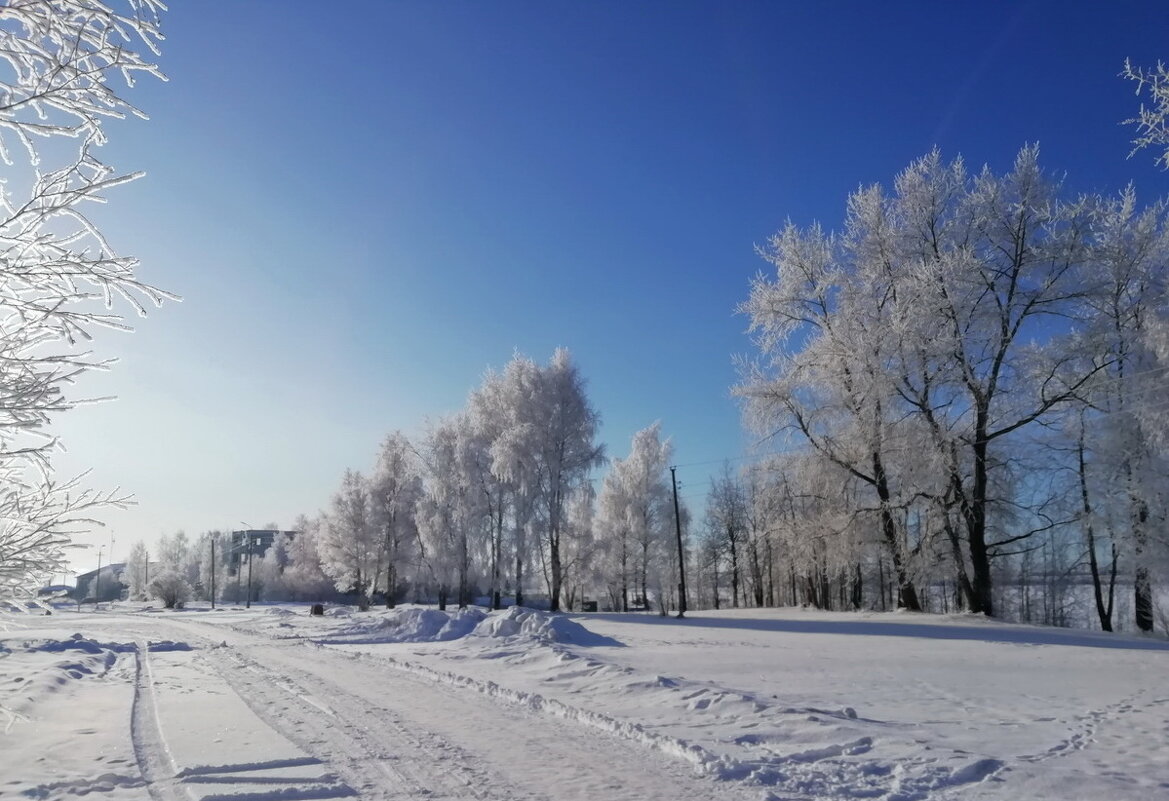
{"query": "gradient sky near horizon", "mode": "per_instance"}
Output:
(366, 204)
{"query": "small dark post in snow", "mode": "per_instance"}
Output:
(681, 553)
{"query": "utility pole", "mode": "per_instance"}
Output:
(97, 578)
(681, 552)
(212, 538)
(250, 543)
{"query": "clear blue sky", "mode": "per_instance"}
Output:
(366, 204)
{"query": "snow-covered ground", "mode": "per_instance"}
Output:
(270, 703)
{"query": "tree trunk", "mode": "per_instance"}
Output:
(734, 568)
(974, 514)
(1142, 587)
(554, 553)
(519, 577)
(1102, 611)
(906, 592)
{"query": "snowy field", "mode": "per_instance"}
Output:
(270, 703)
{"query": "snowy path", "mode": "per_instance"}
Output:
(223, 715)
(396, 736)
(782, 705)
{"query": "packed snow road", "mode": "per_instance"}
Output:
(787, 704)
(216, 714)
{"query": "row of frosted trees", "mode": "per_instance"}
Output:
(967, 384)
(964, 389)
(498, 502)
(495, 504)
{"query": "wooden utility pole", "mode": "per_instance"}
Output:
(681, 551)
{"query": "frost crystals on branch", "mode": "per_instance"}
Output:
(59, 277)
(1152, 122)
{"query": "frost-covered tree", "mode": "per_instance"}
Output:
(137, 571)
(304, 578)
(614, 531)
(451, 517)
(650, 505)
(1119, 428)
(350, 546)
(210, 553)
(170, 588)
(59, 277)
(394, 491)
(506, 409)
(726, 517)
(501, 485)
(934, 331)
(580, 552)
(563, 450)
(636, 518)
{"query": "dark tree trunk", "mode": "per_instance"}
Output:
(906, 592)
(519, 577)
(974, 515)
(1103, 611)
(734, 568)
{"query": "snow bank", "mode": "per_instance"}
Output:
(532, 624)
(422, 625)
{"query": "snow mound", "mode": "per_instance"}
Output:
(431, 625)
(279, 611)
(533, 624)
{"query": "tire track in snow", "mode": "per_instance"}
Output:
(150, 750)
(365, 744)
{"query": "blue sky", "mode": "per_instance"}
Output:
(365, 205)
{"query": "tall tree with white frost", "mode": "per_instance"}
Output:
(650, 505)
(394, 491)
(61, 59)
(450, 512)
(487, 418)
(917, 337)
(563, 451)
(137, 570)
(350, 545)
(615, 535)
(636, 518)
(505, 409)
(1121, 455)
(304, 578)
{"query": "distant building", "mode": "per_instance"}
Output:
(109, 588)
(260, 539)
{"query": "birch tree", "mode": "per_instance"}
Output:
(395, 489)
(450, 512)
(564, 452)
(350, 546)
